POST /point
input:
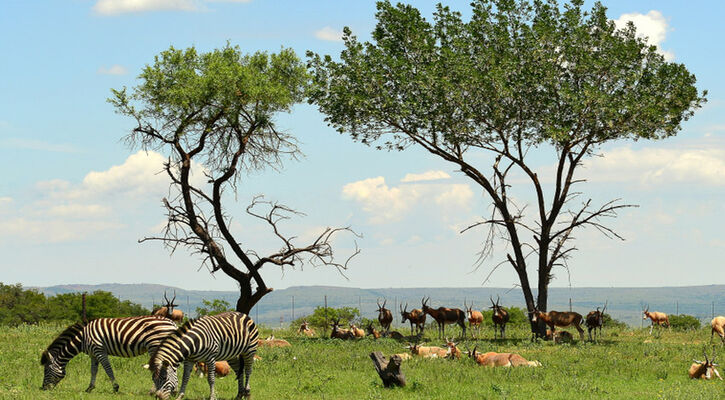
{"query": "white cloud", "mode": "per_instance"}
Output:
(32, 144)
(113, 70)
(425, 176)
(654, 166)
(653, 26)
(458, 195)
(115, 7)
(78, 210)
(330, 34)
(53, 230)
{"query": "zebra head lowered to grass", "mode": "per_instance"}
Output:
(121, 337)
(230, 336)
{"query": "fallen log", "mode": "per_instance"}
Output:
(389, 371)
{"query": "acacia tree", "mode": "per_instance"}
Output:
(518, 76)
(213, 114)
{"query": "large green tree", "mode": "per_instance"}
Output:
(214, 114)
(517, 77)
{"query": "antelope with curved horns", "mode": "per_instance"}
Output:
(444, 316)
(594, 320)
(561, 319)
(704, 369)
(338, 333)
(475, 318)
(168, 310)
(415, 316)
(306, 330)
(718, 325)
(656, 317)
(385, 317)
(492, 359)
(500, 317)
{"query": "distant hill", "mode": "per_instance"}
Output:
(624, 303)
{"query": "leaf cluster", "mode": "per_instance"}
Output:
(321, 318)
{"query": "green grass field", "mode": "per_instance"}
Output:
(624, 365)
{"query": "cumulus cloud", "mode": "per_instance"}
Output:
(658, 166)
(425, 176)
(653, 26)
(329, 34)
(116, 7)
(113, 70)
(39, 145)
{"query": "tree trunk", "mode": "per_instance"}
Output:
(245, 302)
(389, 371)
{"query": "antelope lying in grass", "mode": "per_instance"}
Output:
(415, 316)
(492, 359)
(385, 317)
(500, 318)
(428, 351)
(561, 319)
(595, 319)
(372, 331)
(306, 330)
(704, 369)
(357, 332)
(475, 319)
(445, 316)
(272, 342)
(718, 326)
(453, 351)
(656, 317)
(559, 336)
(338, 333)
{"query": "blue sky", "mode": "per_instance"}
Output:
(74, 199)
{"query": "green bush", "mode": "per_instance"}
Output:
(517, 316)
(684, 322)
(213, 307)
(317, 318)
(610, 323)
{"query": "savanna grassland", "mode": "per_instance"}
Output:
(627, 364)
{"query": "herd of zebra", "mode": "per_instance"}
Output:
(230, 336)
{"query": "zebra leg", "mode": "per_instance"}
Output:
(188, 366)
(94, 371)
(103, 359)
(245, 361)
(211, 374)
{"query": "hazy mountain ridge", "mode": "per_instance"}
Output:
(624, 303)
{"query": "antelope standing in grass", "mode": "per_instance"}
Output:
(560, 319)
(500, 317)
(444, 316)
(492, 359)
(385, 317)
(718, 326)
(704, 369)
(415, 316)
(475, 319)
(594, 320)
(656, 317)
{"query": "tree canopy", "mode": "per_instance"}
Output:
(518, 75)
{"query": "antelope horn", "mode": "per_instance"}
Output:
(605, 306)
(378, 301)
(498, 298)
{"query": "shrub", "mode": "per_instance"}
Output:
(610, 323)
(684, 322)
(213, 307)
(317, 318)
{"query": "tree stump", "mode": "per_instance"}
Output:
(389, 371)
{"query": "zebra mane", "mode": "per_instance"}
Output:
(61, 341)
(181, 331)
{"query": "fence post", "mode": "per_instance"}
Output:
(325, 315)
(569, 304)
(677, 308)
(293, 308)
(713, 309)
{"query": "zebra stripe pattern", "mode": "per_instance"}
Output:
(230, 336)
(103, 337)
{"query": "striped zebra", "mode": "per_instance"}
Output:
(103, 337)
(229, 336)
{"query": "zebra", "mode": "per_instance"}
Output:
(230, 336)
(99, 338)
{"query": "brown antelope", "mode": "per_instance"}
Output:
(704, 369)
(415, 316)
(559, 336)
(357, 332)
(444, 316)
(403, 356)
(475, 318)
(221, 368)
(561, 319)
(338, 333)
(492, 359)
(453, 350)
(428, 351)
(656, 317)
(372, 331)
(718, 326)
(168, 310)
(385, 317)
(272, 342)
(306, 330)
(500, 317)
(394, 335)
(594, 320)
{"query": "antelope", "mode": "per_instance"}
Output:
(562, 319)
(221, 368)
(415, 316)
(492, 359)
(718, 325)
(444, 316)
(428, 351)
(559, 336)
(500, 317)
(394, 335)
(403, 356)
(168, 310)
(372, 331)
(594, 320)
(357, 332)
(453, 350)
(385, 317)
(306, 330)
(656, 317)
(704, 370)
(338, 333)
(475, 318)
(272, 342)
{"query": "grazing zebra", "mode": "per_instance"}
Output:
(122, 337)
(229, 336)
